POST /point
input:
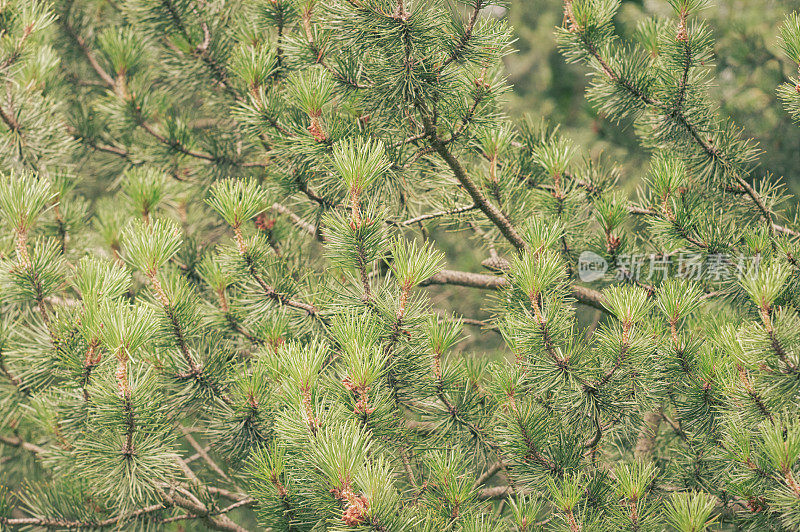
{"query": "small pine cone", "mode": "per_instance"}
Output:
(362, 407)
(351, 516)
(252, 401)
(496, 264)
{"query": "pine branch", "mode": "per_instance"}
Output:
(679, 116)
(200, 50)
(87, 51)
(496, 492)
(177, 330)
(313, 196)
(621, 356)
(584, 295)
(107, 148)
(10, 121)
(16, 381)
(201, 511)
(465, 120)
(491, 212)
(235, 327)
(115, 85)
(174, 144)
(754, 395)
(408, 140)
(676, 427)
(362, 269)
(785, 230)
(285, 300)
(644, 211)
(203, 454)
(489, 473)
(465, 38)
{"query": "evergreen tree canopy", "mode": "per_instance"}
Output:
(226, 235)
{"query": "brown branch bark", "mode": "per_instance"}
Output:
(646, 441)
(587, 296)
(497, 492)
(68, 524)
(16, 441)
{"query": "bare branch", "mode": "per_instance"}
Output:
(16, 441)
(587, 296)
(203, 454)
(308, 227)
(439, 214)
(67, 524)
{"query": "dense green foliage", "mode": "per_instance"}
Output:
(226, 301)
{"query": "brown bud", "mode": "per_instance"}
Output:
(264, 223)
(348, 384)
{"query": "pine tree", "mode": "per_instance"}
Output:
(225, 234)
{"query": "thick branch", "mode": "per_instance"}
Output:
(584, 295)
(497, 492)
(201, 511)
(68, 524)
(489, 473)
